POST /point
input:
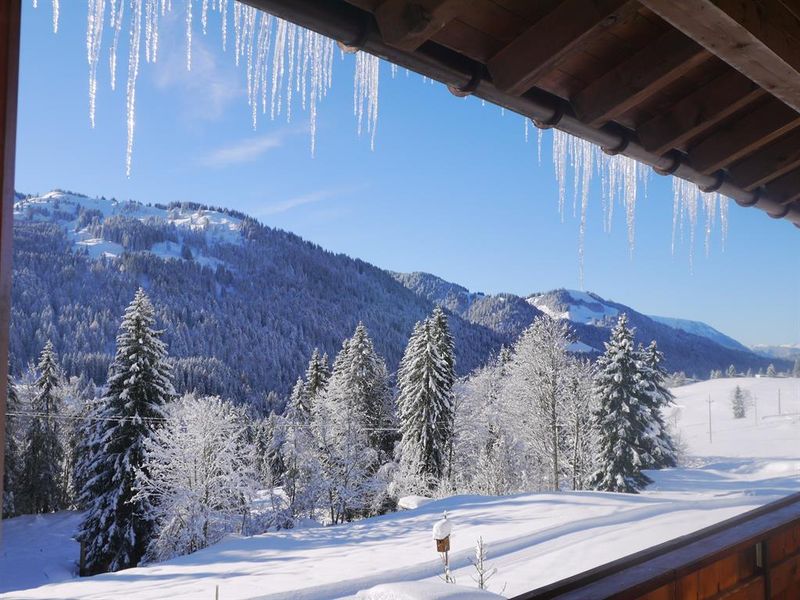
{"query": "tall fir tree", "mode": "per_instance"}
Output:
(349, 418)
(659, 446)
(118, 526)
(621, 416)
(12, 458)
(425, 400)
(317, 375)
(41, 488)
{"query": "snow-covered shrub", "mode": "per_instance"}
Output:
(199, 475)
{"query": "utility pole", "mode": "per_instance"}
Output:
(710, 440)
(779, 401)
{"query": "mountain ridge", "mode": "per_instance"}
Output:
(242, 304)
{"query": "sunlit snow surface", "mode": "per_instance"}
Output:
(533, 539)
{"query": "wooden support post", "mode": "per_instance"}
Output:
(10, 11)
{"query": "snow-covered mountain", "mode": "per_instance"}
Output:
(784, 351)
(701, 329)
(243, 305)
(689, 346)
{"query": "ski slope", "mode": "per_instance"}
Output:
(533, 539)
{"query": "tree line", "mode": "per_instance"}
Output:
(158, 474)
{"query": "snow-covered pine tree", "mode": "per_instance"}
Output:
(270, 438)
(317, 375)
(118, 526)
(620, 415)
(425, 402)
(84, 430)
(659, 446)
(771, 372)
(731, 371)
(41, 488)
(198, 474)
(302, 475)
(739, 399)
(12, 458)
(365, 383)
(353, 406)
(299, 402)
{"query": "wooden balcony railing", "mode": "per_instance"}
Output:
(754, 556)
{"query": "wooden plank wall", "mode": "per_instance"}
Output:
(10, 11)
(765, 570)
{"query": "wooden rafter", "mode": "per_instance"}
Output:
(699, 112)
(776, 159)
(746, 135)
(758, 38)
(407, 25)
(638, 78)
(785, 189)
(523, 62)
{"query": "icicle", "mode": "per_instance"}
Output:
(365, 93)
(204, 17)
(710, 206)
(151, 30)
(94, 39)
(55, 15)
(723, 217)
(525, 121)
(539, 134)
(188, 35)
(117, 12)
(133, 73)
(560, 140)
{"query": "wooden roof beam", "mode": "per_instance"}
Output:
(407, 24)
(637, 78)
(753, 131)
(785, 189)
(758, 38)
(543, 46)
(699, 112)
(777, 159)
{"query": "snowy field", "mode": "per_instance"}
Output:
(533, 539)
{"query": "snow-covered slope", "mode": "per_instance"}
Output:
(533, 539)
(585, 308)
(84, 218)
(701, 329)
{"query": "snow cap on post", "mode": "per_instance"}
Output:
(441, 534)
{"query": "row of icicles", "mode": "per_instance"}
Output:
(284, 61)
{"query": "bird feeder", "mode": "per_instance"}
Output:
(441, 534)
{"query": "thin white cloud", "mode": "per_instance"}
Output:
(289, 204)
(303, 200)
(246, 150)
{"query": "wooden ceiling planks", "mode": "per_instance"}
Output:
(711, 84)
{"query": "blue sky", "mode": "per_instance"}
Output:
(451, 188)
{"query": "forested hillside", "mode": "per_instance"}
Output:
(243, 305)
(241, 314)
